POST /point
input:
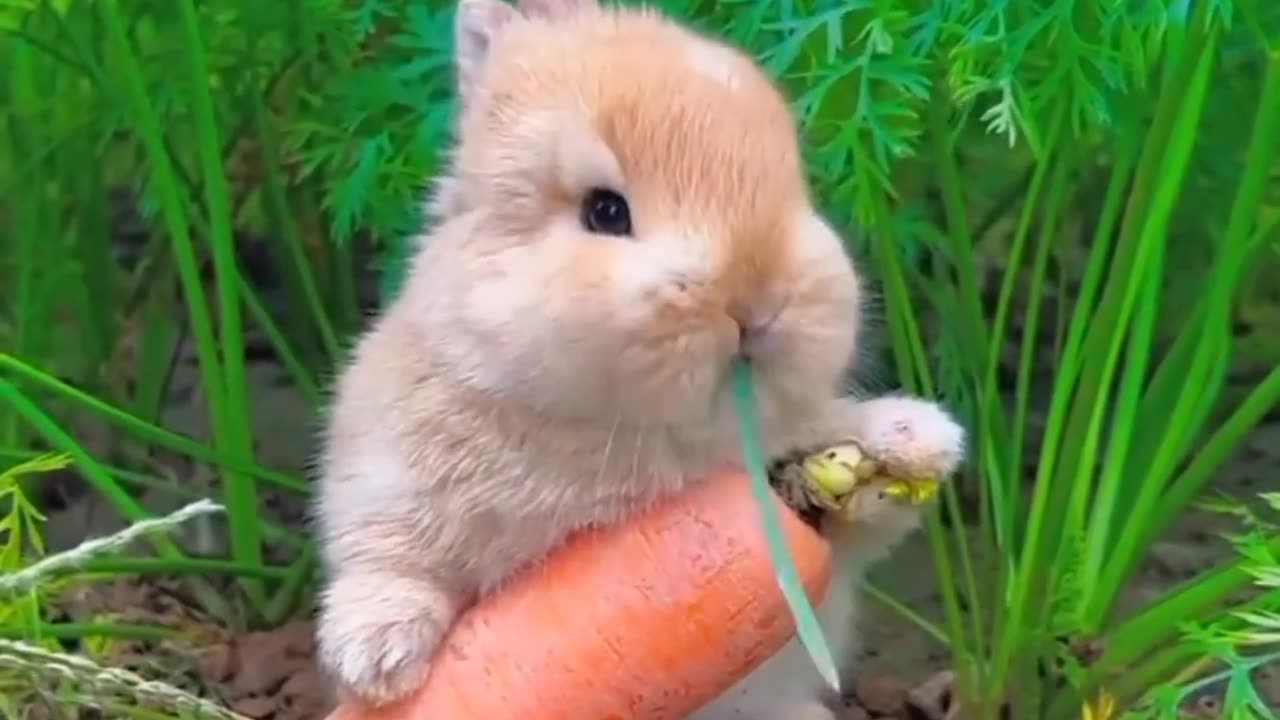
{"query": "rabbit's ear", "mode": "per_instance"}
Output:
(554, 8)
(475, 25)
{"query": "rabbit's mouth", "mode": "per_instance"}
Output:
(725, 404)
(758, 330)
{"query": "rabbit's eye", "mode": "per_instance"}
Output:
(606, 212)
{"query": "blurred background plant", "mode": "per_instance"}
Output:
(1071, 209)
(36, 672)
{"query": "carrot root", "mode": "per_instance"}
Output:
(646, 621)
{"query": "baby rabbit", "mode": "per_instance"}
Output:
(625, 212)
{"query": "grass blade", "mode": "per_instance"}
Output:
(807, 626)
(102, 481)
(233, 422)
(147, 431)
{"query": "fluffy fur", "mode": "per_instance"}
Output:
(533, 378)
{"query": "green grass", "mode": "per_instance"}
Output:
(1068, 208)
(35, 672)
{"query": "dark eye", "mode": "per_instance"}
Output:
(606, 212)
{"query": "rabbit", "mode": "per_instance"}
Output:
(623, 212)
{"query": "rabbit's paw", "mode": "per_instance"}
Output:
(900, 450)
(911, 438)
(870, 487)
(914, 445)
(376, 637)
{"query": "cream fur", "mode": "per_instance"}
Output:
(533, 378)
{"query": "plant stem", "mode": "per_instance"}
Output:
(1188, 410)
(302, 377)
(29, 230)
(58, 438)
(233, 433)
(274, 187)
(172, 207)
(147, 431)
(1141, 651)
(957, 224)
(1262, 400)
(1006, 494)
(286, 597)
(907, 613)
(1166, 158)
(176, 566)
(74, 631)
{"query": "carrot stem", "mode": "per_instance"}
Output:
(807, 626)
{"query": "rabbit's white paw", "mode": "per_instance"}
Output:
(376, 635)
(912, 437)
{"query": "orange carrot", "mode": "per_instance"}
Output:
(651, 619)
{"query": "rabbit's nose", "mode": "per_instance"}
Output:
(750, 338)
(754, 329)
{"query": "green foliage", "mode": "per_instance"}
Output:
(36, 675)
(1242, 641)
(309, 123)
(1068, 207)
(19, 517)
(20, 539)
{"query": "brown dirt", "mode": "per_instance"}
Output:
(271, 675)
(263, 675)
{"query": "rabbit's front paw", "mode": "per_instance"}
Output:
(376, 636)
(910, 437)
(874, 483)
